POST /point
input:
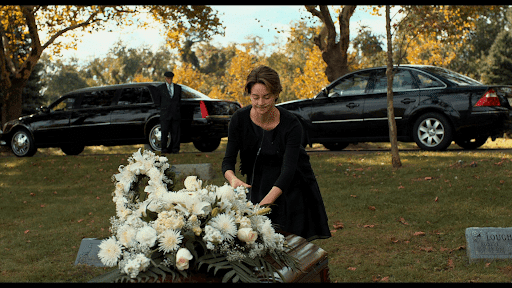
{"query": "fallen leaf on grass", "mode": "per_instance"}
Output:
(369, 226)
(402, 220)
(352, 268)
(450, 264)
(371, 208)
(338, 225)
(378, 278)
(401, 187)
(419, 233)
(26, 231)
(426, 249)
(355, 196)
(80, 220)
(437, 199)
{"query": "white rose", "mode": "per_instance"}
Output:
(247, 235)
(192, 183)
(182, 258)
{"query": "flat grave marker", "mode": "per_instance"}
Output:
(488, 243)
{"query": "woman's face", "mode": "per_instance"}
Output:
(261, 99)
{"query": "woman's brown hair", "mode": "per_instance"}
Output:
(266, 76)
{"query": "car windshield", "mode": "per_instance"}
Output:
(453, 77)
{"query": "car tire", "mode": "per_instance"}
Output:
(22, 143)
(467, 144)
(207, 145)
(155, 136)
(338, 146)
(72, 149)
(432, 132)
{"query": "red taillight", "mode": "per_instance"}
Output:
(489, 99)
(204, 111)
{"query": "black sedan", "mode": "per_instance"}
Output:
(433, 106)
(116, 115)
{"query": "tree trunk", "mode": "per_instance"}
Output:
(11, 108)
(395, 157)
(334, 53)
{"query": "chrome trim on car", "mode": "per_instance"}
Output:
(352, 120)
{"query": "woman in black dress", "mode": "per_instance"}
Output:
(271, 156)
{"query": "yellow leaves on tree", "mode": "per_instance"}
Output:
(186, 74)
(236, 75)
(306, 84)
(430, 50)
(434, 33)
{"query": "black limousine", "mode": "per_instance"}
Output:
(116, 115)
(433, 106)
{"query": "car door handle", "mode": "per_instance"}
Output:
(408, 101)
(352, 105)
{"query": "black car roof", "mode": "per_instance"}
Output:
(117, 86)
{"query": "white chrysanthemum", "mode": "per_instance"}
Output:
(226, 192)
(225, 223)
(146, 236)
(192, 183)
(170, 240)
(126, 235)
(110, 251)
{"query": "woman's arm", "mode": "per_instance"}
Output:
(271, 196)
(290, 157)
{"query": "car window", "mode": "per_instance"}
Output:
(63, 104)
(402, 80)
(351, 85)
(101, 98)
(146, 96)
(427, 81)
(189, 93)
(452, 76)
(130, 96)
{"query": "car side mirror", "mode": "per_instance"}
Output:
(322, 94)
(43, 109)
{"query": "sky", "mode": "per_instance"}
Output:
(239, 22)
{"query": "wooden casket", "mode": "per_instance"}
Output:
(313, 265)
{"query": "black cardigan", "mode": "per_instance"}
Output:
(288, 133)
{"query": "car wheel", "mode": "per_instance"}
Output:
(155, 138)
(22, 144)
(336, 146)
(432, 132)
(207, 145)
(72, 149)
(468, 144)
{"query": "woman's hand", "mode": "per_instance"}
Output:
(234, 181)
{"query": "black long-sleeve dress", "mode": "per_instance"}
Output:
(277, 158)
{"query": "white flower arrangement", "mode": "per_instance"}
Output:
(157, 231)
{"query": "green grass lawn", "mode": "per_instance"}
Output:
(404, 225)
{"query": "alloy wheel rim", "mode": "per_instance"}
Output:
(20, 143)
(155, 138)
(431, 132)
